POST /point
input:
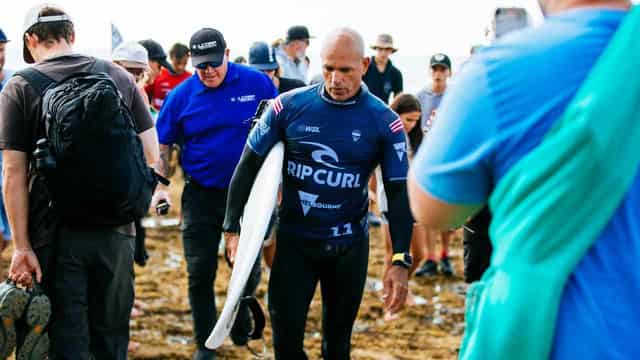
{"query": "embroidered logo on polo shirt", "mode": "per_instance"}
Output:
(243, 99)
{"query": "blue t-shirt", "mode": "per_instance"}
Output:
(213, 123)
(499, 109)
(331, 150)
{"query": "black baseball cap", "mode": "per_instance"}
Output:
(298, 32)
(156, 53)
(262, 56)
(440, 59)
(207, 46)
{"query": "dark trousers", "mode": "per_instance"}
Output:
(477, 246)
(298, 267)
(203, 214)
(92, 294)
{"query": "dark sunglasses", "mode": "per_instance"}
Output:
(205, 65)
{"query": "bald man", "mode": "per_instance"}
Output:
(335, 134)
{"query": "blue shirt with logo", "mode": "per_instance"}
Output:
(498, 110)
(331, 150)
(213, 123)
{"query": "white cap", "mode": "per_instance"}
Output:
(131, 54)
(33, 17)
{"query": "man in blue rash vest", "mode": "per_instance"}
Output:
(335, 134)
(499, 110)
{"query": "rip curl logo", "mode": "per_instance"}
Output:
(320, 156)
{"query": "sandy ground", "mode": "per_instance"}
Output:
(429, 331)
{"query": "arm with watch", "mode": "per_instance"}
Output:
(396, 281)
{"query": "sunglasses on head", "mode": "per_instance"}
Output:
(205, 65)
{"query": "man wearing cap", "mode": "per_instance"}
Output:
(91, 286)
(430, 98)
(262, 57)
(133, 57)
(431, 95)
(169, 80)
(211, 112)
(382, 78)
(157, 61)
(291, 55)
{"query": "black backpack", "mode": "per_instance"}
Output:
(100, 175)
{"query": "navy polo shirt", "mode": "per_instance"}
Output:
(213, 123)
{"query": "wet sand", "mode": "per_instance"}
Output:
(429, 331)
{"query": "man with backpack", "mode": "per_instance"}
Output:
(76, 138)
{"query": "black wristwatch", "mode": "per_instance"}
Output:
(402, 259)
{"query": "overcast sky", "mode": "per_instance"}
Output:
(420, 27)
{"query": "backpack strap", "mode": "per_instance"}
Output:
(37, 79)
(99, 66)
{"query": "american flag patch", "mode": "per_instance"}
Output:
(277, 105)
(396, 125)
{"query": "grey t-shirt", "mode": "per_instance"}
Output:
(429, 101)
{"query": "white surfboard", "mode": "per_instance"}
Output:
(255, 220)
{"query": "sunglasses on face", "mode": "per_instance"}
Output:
(205, 65)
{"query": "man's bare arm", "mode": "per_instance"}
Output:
(163, 164)
(434, 213)
(24, 262)
(162, 168)
(16, 195)
(149, 139)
